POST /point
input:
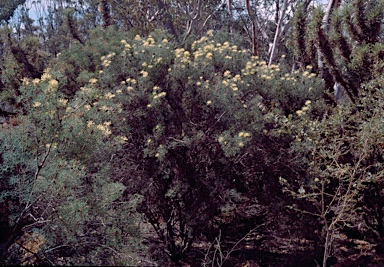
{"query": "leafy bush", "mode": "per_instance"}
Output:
(344, 153)
(194, 121)
(181, 135)
(55, 162)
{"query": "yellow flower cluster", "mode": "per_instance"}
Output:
(85, 89)
(234, 87)
(260, 67)
(227, 74)
(63, 101)
(162, 94)
(93, 81)
(126, 45)
(122, 139)
(236, 78)
(149, 42)
(182, 56)
(158, 60)
(46, 75)
(253, 66)
(109, 95)
(288, 77)
(305, 73)
(201, 40)
(90, 124)
(304, 109)
(104, 128)
(144, 73)
(232, 81)
(208, 50)
(35, 81)
(36, 104)
(25, 81)
(52, 85)
(244, 134)
(131, 80)
(145, 64)
(308, 74)
(106, 60)
(105, 108)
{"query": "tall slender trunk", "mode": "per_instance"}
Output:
(104, 10)
(230, 14)
(278, 33)
(253, 18)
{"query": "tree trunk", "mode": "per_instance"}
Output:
(230, 14)
(278, 33)
(253, 19)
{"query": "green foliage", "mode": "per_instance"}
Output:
(189, 118)
(344, 153)
(125, 123)
(20, 60)
(299, 38)
(54, 169)
(194, 141)
(351, 47)
(8, 8)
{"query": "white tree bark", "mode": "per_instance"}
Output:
(278, 32)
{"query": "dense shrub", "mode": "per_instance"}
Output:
(197, 125)
(198, 140)
(345, 160)
(55, 166)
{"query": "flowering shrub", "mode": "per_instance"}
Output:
(190, 118)
(53, 162)
(173, 133)
(344, 155)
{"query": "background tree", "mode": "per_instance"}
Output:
(334, 44)
(8, 8)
